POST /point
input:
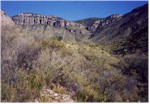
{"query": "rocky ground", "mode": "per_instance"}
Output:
(48, 95)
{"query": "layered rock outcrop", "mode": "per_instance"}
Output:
(32, 19)
(29, 19)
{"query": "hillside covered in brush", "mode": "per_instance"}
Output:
(50, 59)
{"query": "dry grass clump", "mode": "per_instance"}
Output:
(59, 89)
(52, 43)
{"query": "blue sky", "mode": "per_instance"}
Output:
(71, 10)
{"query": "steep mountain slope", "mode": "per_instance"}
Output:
(92, 24)
(88, 21)
(128, 37)
(5, 20)
(133, 23)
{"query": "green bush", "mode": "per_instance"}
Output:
(52, 43)
(90, 94)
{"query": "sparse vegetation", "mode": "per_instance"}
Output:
(116, 71)
(91, 82)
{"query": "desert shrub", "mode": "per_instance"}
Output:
(49, 76)
(136, 65)
(57, 37)
(27, 57)
(137, 41)
(45, 98)
(26, 86)
(85, 92)
(8, 92)
(31, 83)
(45, 43)
(66, 51)
(36, 81)
(57, 43)
(75, 76)
(98, 57)
(96, 45)
(90, 94)
(81, 96)
(52, 43)
(58, 88)
(113, 85)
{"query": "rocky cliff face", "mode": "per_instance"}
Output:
(30, 19)
(33, 19)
